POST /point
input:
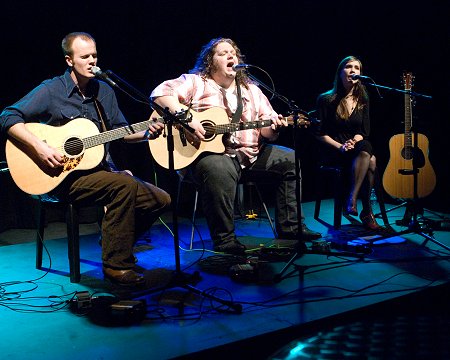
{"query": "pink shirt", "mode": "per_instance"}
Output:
(203, 94)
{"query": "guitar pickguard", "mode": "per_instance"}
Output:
(414, 154)
(71, 163)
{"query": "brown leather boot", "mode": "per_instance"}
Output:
(368, 220)
(126, 277)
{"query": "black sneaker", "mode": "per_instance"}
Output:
(233, 247)
(308, 234)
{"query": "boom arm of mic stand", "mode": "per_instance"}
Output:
(412, 93)
(167, 115)
(291, 105)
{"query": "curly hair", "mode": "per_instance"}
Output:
(204, 63)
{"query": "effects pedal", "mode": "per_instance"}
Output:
(243, 273)
(321, 246)
(131, 310)
(81, 302)
(254, 270)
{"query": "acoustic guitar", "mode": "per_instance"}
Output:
(216, 123)
(80, 143)
(398, 178)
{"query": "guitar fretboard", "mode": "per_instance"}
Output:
(232, 127)
(115, 134)
(408, 118)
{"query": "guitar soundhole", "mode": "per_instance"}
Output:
(209, 127)
(410, 153)
(73, 146)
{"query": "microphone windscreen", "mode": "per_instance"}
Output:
(96, 70)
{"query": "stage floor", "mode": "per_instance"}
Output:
(316, 292)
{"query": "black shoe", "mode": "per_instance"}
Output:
(233, 247)
(308, 234)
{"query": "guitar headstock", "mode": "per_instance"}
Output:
(408, 80)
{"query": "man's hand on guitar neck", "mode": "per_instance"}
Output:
(271, 132)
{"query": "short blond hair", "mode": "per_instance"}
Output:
(67, 42)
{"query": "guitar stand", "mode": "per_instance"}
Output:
(303, 250)
(409, 211)
(404, 203)
(179, 278)
(423, 229)
(413, 210)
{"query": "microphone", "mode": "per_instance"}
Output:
(100, 74)
(360, 77)
(237, 67)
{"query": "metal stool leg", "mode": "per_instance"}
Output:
(73, 237)
(40, 219)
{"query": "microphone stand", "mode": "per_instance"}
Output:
(370, 82)
(414, 225)
(180, 279)
(300, 248)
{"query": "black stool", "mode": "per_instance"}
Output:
(247, 179)
(340, 190)
(73, 234)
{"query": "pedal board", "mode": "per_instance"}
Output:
(275, 253)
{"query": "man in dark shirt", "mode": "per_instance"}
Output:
(131, 203)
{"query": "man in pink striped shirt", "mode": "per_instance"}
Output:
(214, 83)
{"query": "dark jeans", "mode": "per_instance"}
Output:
(218, 175)
(132, 206)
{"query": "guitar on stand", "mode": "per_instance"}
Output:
(409, 174)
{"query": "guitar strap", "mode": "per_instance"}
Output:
(107, 162)
(100, 113)
(237, 115)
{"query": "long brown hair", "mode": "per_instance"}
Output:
(204, 63)
(338, 92)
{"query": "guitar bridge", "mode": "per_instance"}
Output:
(408, 171)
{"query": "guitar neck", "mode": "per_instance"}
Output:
(232, 127)
(408, 121)
(111, 135)
(408, 79)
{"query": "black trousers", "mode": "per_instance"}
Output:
(218, 176)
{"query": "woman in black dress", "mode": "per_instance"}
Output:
(345, 127)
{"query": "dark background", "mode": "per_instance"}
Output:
(299, 43)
